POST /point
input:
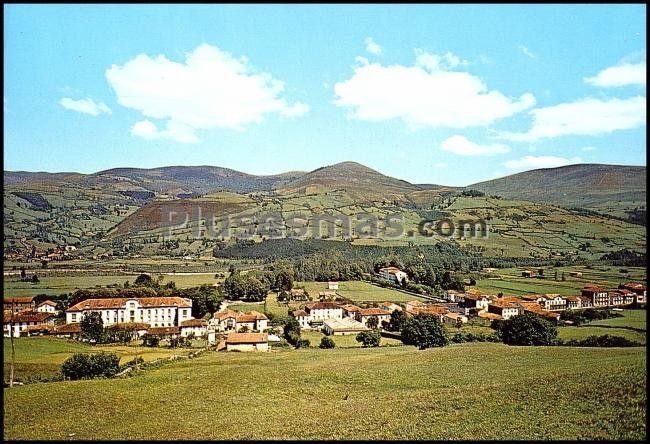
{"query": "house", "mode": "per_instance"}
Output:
(573, 302)
(350, 310)
(332, 285)
(247, 342)
(16, 323)
(298, 294)
(585, 302)
(434, 310)
(505, 309)
(390, 306)
(575, 274)
(252, 321)
(629, 297)
(552, 302)
(536, 309)
(528, 274)
(138, 328)
(38, 330)
(155, 311)
(598, 295)
(454, 319)
(638, 289)
(19, 303)
(302, 317)
(489, 316)
(196, 327)
(164, 332)
(474, 301)
(412, 305)
(393, 274)
(379, 313)
(47, 307)
(234, 320)
(68, 330)
(345, 326)
(454, 296)
(318, 311)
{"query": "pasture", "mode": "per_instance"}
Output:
(464, 391)
(359, 291)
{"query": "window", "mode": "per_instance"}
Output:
(74, 317)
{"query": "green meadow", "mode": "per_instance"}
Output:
(464, 391)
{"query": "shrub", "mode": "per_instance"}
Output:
(327, 342)
(302, 343)
(528, 329)
(86, 366)
(424, 331)
(150, 340)
(179, 341)
(369, 338)
(601, 341)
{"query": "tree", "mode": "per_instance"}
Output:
(150, 340)
(528, 329)
(369, 338)
(397, 320)
(327, 342)
(424, 331)
(23, 273)
(372, 322)
(284, 281)
(144, 280)
(84, 365)
(92, 326)
(35, 279)
(292, 326)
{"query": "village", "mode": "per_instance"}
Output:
(230, 330)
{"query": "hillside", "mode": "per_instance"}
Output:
(360, 182)
(606, 188)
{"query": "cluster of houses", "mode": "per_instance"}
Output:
(547, 305)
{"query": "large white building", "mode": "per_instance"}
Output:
(315, 313)
(228, 320)
(155, 311)
(393, 274)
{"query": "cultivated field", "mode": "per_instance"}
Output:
(465, 391)
(359, 291)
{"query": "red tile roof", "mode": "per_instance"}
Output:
(68, 328)
(194, 323)
(129, 326)
(247, 338)
(116, 303)
(163, 330)
(299, 313)
(374, 312)
(490, 316)
(322, 306)
(222, 315)
(48, 302)
(26, 316)
(252, 316)
(19, 300)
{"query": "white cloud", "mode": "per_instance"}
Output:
(620, 75)
(527, 52)
(173, 130)
(372, 47)
(463, 147)
(532, 162)
(426, 94)
(211, 89)
(589, 148)
(585, 117)
(86, 106)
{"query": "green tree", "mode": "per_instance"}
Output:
(292, 326)
(92, 326)
(527, 329)
(35, 279)
(369, 338)
(397, 320)
(372, 322)
(284, 281)
(327, 342)
(424, 331)
(144, 280)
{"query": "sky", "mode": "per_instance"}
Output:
(432, 94)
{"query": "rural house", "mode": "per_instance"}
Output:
(505, 309)
(247, 342)
(24, 319)
(598, 295)
(393, 274)
(196, 327)
(345, 326)
(382, 315)
(19, 303)
(47, 307)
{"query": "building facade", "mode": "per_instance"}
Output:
(155, 311)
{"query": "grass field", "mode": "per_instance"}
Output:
(43, 356)
(465, 391)
(345, 341)
(585, 332)
(358, 291)
(631, 318)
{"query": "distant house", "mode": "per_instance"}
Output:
(47, 307)
(599, 296)
(412, 305)
(552, 302)
(224, 320)
(19, 303)
(585, 302)
(573, 302)
(393, 274)
(18, 322)
(345, 326)
(477, 302)
(333, 285)
(638, 289)
(381, 315)
(164, 332)
(489, 316)
(68, 330)
(390, 306)
(350, 310)
(454, 319)
(575, 273)
(302, 317)
(528, 273)
(454, 296)
(536, 309)
(434, 310)
(326, 295)
(298, 294)
(247, 342)
(505, 309)
(197, 327)
(228, 320)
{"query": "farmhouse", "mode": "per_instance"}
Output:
(393, 274)
(454, 296)
(598, 295)
(345, 326)
(247, 342)
(228, 320)
(390, 306)
(505, 309)
(638, 289)
(326, 295)
(528, 273)
(573, 302)
(196, 327)
(19, 303)
(164, 332)
(489, 316)
(575, 273)
(552, 302)
(155, 311)
(454, 319)
(18, 322)
(379, 313)
(585, 302)
(47, 307)
(536, 309)
(302, 317)
(412, 305)
(473, 301)
(350, 310)
(298, 294)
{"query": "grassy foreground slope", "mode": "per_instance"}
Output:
(467, 391)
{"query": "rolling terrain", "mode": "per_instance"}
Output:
(574, 211)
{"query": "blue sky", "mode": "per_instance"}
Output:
(427, 93)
